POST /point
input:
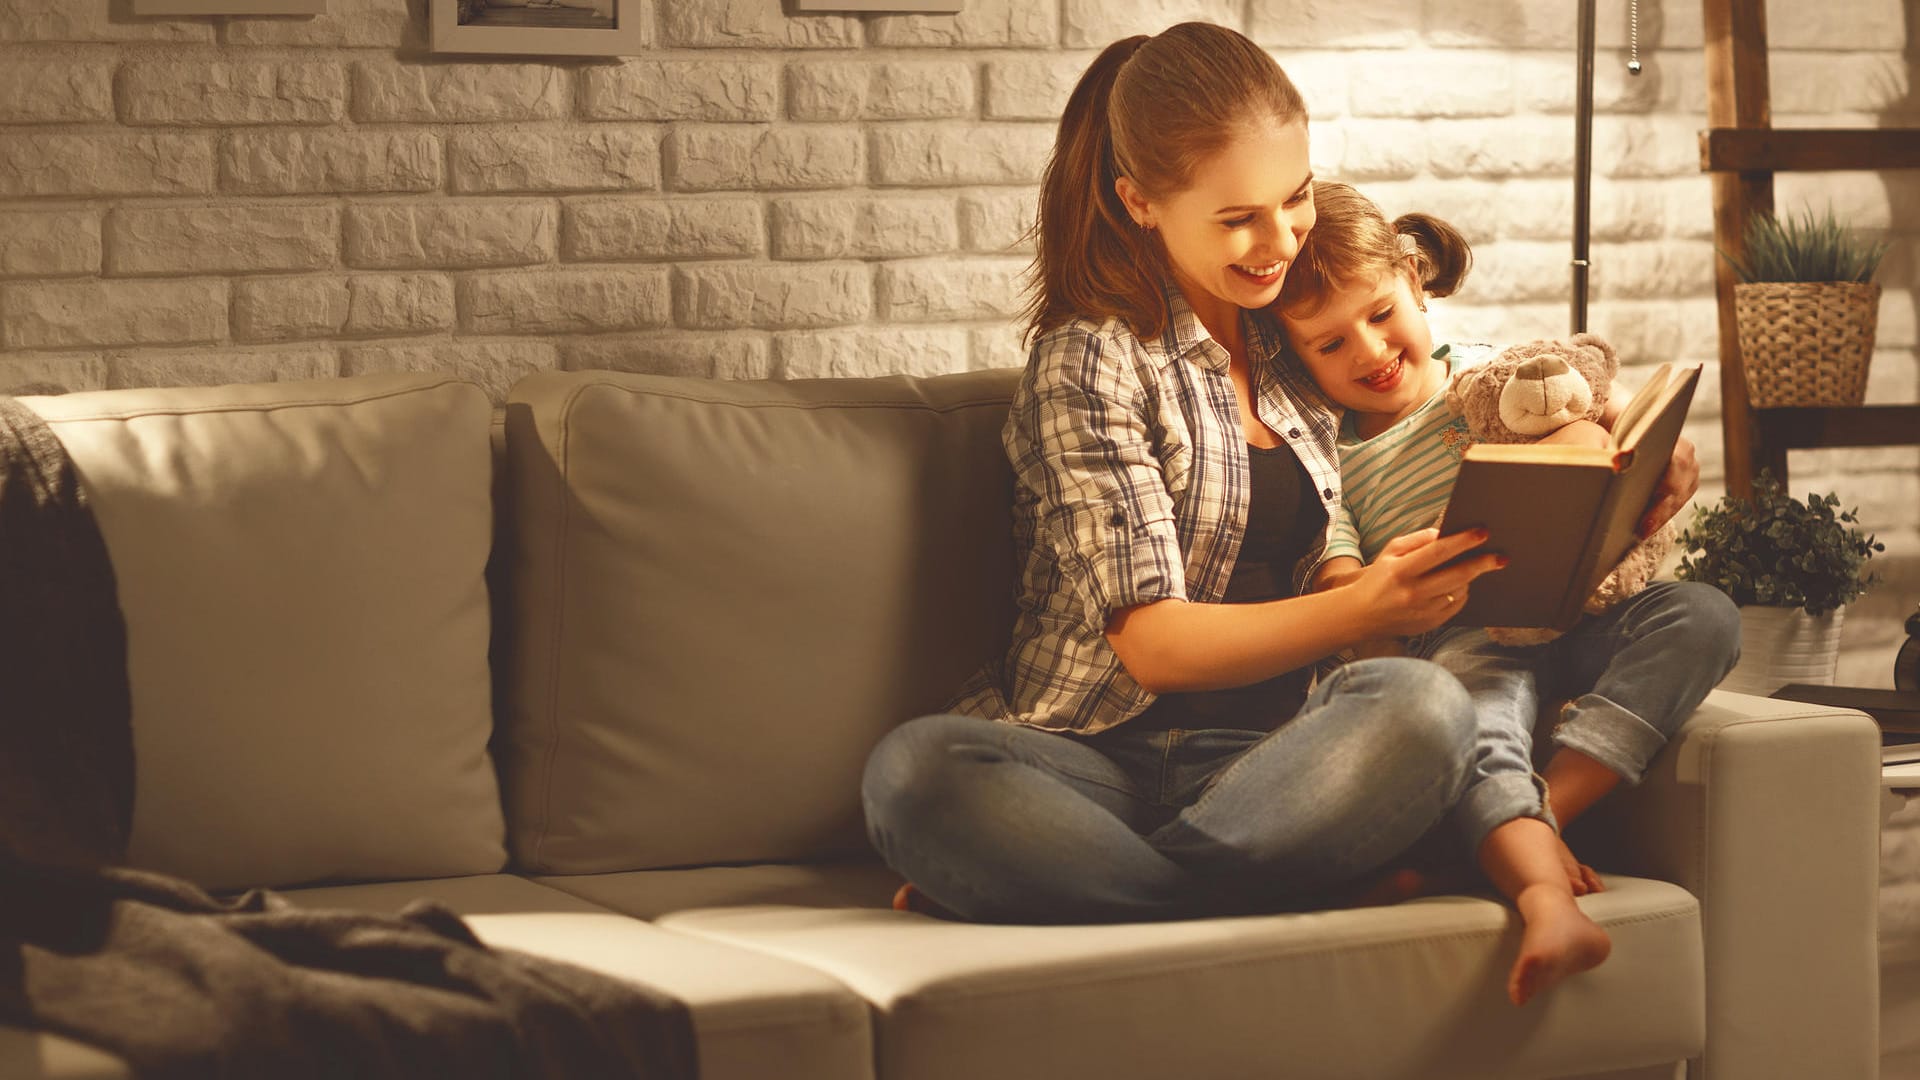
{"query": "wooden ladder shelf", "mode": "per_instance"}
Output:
(1742, 150)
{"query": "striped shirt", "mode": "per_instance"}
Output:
(1398, 481)
(1131, 484)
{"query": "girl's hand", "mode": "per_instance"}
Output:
(1408, 589)
(1682, 479)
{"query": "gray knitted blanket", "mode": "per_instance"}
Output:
(178, 983)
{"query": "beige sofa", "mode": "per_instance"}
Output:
(710, 599)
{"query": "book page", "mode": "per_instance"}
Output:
(1640, 405)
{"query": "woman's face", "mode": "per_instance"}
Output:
(1231, 235)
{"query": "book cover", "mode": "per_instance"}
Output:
(1564, 515)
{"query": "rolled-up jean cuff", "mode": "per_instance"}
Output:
(1609, 735)
(1496, 800)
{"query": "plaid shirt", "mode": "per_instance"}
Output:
(1131, 485)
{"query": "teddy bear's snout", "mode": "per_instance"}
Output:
(1544, 394)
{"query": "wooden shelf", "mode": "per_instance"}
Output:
(1808, 149)
(1741, 151)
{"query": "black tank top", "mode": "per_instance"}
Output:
(1284, 520)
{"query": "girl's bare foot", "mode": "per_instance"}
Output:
(1558, 941)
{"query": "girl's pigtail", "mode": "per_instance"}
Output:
(1441, 255)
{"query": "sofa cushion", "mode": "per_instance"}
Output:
(649, 894)
(1413, 991)
(300, 566)
(754, 1015)
(725, 593)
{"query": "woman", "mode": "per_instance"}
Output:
(1149, 748)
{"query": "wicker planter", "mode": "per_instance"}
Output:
(1806, 343)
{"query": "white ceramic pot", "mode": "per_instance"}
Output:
(1785, 645)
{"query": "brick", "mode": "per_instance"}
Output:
(219, 367)
(342, 162)
(453, 235)
(958, 153)
(1519, 271)
(232, 94)
(1485, 210)
(1689, 207)
(494, 365)
(361, 305)
(397, 92)
(581, 158)
(565, 301)
(863, 351)
(105, 313)
(997, 222)
(1380, 149)
(1424, 84)
(992, 23)
(105, 164)
(1841, 82)
(51, 373)
(920, 90)
(1550, 84)
(707, 90)
(222, 239)
(1337, 24)
(67, 92)
(354, 24)
(1645, 146)
(1324, 80)
(1031, 87)
(1478, 24)
(732, 355)
(1849, 24)
(1642, 332)
(1094, 24)
(67, 20)
(827, 90)
(49, 243)
(1515, 146)
(1002, 346)
(929, 290)
(760, 158)
(1628, 210)
(615, 230)
(884, 227)
(1474, 318)
(771, 297)
(754, 24)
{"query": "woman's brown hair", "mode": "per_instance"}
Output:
(1352, 242)
(1151, 109)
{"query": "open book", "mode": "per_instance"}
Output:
(1565, 515)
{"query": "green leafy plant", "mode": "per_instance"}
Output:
(1777, 551)
(1805, 248)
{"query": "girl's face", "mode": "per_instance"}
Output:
(1231, 236)
(1370, 350)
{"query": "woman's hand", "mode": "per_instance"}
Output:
(1682, 479)
(1408, 590)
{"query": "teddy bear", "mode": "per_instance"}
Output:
(1528, 391)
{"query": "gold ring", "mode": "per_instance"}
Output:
(1449, 599)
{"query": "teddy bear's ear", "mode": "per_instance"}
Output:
(1460, 386)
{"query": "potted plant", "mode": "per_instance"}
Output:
(1805, 310)
(1792, 566)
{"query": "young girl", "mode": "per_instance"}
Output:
(1354, 308)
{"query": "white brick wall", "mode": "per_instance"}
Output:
(231, 199)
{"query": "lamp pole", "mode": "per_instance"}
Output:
(1582, 166)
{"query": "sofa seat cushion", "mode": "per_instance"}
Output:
(754, 1014)
(649, 894)
(1416, 990)
(301, 571)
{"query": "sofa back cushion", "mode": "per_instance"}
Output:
(300, 567)
(724, 593)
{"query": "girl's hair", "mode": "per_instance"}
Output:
(1150, 109)
(1352, 242)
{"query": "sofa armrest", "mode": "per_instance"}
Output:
(1768, 812)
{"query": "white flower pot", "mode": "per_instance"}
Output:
(1785, 645)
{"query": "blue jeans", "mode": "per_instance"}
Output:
(1633, 673)
(1005, 823)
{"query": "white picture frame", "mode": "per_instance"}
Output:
(229, 7)
(538, 27)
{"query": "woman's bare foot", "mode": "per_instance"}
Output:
(908, 898)
(1558, 941)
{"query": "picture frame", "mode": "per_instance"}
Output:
(229, 7)
(538, 27)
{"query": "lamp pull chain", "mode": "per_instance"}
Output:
(1633, 37)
